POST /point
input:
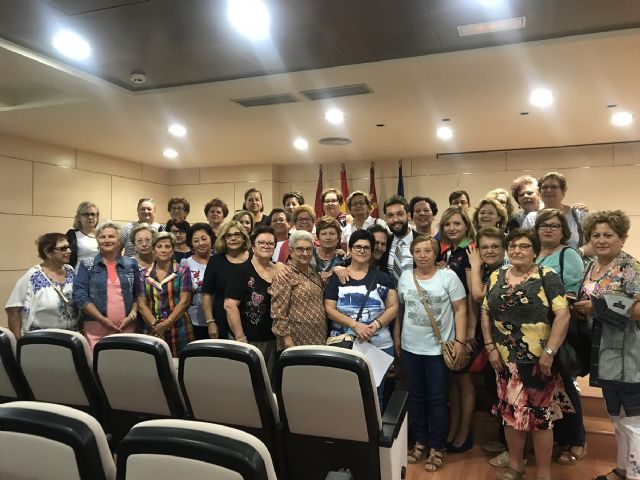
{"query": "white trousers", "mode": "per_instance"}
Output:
(628, 443)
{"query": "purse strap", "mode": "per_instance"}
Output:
(366, 297)
(427, 307)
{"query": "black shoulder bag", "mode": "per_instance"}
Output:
(566, 357)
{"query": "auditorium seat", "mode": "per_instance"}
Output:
(12, 383)
(54, 442)
(170, 449)
(57, 367)
(137, 377)
(226, 382)
(331, 418)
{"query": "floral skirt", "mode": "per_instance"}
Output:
(528, 400)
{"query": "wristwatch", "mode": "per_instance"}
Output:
(549, 351)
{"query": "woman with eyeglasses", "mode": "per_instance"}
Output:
(142, 237)
(303, 218)
(364, 306)
(82, 237)
(521, 342)
(325, 256)
(553, 188)
(553, 232)
(247, 301)
(179, 229)
(359, 207)
(232, 251)
(41, 298)
(297, 303)
(331, 201)
(105, 291)
(178, 209)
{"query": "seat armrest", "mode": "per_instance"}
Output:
(393, 417)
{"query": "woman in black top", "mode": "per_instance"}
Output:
(232, 247)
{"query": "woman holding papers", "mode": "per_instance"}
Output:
(425, 292)
(362, 308)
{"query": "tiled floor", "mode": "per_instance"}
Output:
(474, 465)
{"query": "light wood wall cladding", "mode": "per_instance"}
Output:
(41, 186)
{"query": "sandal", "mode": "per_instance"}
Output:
(434, 462)
(570, 456)
(618, 476)
(416, 454)
(511, 474)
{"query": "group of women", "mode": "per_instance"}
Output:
(500, 293)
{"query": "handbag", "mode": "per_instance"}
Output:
(567, 359)
(346, 339)
(448, 347)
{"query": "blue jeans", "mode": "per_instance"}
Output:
(569, 430)
(427, 377)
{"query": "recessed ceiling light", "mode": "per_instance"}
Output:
(491, 3)
(541, 97)
(445, 133)
(334, 116)
(71, 45)
(622, 119)
(177, 130)
(301, 144)
(170, 153)
(250, 17)
(514, 23)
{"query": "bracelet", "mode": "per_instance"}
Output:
(489, 343)
(489, 351)
(209, 322)
(461, 343)
(378, 323)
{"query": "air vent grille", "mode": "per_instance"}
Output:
(339, 141)
(333, 92)
(268, 100)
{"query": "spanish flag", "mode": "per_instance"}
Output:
(344, 187)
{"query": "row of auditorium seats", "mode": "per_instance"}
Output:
(323, 416)
(54, 442)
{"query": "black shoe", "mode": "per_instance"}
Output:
(466, 446)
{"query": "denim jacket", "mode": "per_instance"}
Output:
(90, 284)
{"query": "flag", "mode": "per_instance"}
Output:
(400, 190)
(318, 204)
(372, 191)
(344, 187)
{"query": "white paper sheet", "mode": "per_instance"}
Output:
(379, 360)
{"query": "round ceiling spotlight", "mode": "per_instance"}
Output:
(301, 144)
(250, 17)
(622, 119)
(71, 45)
(177, 130)
(170, 153)
(444, 133)
(334, 116)
(541, 97)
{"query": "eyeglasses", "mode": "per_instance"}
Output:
(279, 220)
(303, 220)
(361, 248)
(460, 202)
(178, 232)
(545, 188)
(89, 215)
(229, 236)
(63, 248)
(549, 226)
(302, 250)
(525, 247)
(263, 243)
(176, 209)
(492, 248)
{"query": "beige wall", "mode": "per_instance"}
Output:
(41, 185)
